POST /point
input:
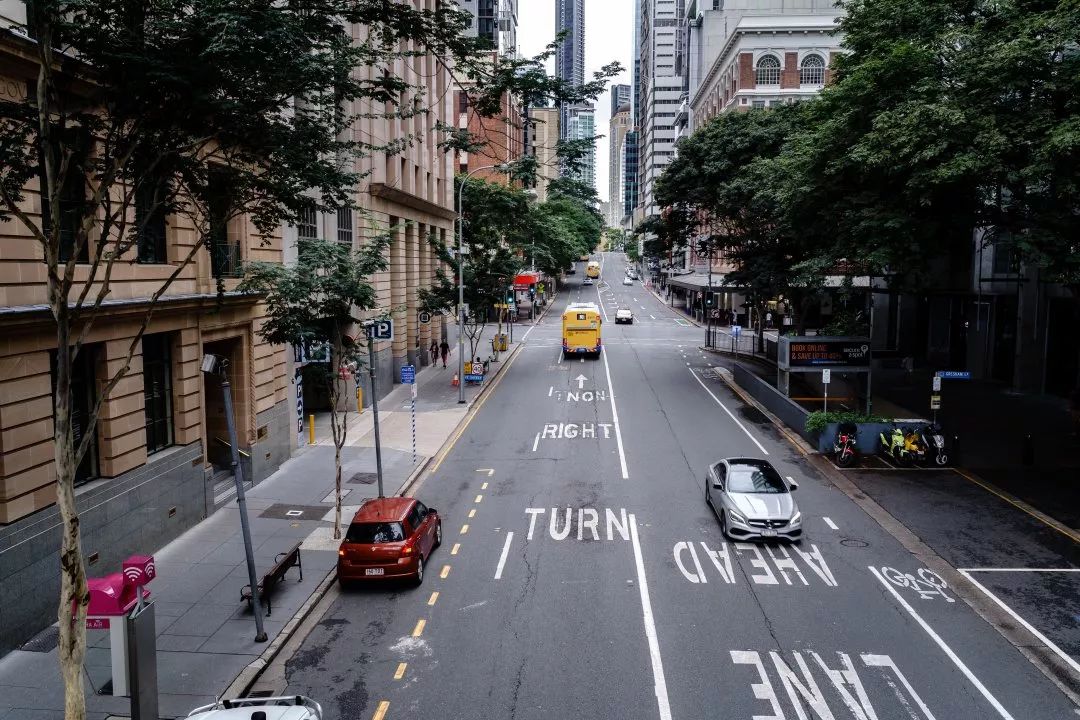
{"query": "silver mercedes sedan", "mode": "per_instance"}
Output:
(752, 500)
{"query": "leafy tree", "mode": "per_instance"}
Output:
(317, 303)
(203, 111)
(720, 196)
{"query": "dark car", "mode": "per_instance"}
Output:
(389, 538)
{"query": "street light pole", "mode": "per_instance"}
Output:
(461, 277)
(708, 304)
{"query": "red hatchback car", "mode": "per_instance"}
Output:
(389, 538)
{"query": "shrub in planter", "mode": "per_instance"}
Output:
(817, 421)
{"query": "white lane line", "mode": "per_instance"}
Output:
(1035, 570)
(560, 356)
(653, 317)
(760, 446)
(830, 523)
(615, 419)
(941, 644)
(526, 335)
(551, 389)
(1046, 641)
(536, 442)
(659, 683)
(502, 558)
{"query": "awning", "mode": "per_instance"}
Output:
(699, 282)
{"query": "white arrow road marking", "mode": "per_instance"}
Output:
(502, 558)
(489, 471)
(948, 650)
(580, 381)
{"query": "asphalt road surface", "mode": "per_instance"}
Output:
(582, 575)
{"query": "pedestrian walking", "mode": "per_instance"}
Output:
(444, 350)
(434, 350)
(768, 319)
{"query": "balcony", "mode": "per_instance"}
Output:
(225, 260)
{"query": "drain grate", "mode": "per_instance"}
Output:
(45, 641)
(363, 478)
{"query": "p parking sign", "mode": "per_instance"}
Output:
(381, 330)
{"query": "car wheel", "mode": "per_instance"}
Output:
(708, 500)
(723, 525)
(344, 584)
(438, 534)
(419, 579)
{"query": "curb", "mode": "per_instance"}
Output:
(242, 683)
(1036, 652)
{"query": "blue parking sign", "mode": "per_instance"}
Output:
(408, 374)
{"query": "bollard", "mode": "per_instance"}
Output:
(311, 429)
(359, 399)
(1029, 450)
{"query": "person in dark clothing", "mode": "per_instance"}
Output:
(444, 350)
(434, 350)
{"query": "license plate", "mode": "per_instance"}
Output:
(768, 532)
(380, 571)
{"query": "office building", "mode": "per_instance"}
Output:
(618, 127)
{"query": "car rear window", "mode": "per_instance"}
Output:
(372, 533)
(754, 479)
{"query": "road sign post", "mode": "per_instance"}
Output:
(377, 330)
(408, 377)
(826, 376)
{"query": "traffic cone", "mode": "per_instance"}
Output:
(455, 382)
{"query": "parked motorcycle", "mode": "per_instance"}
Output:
(894, 446)
(847, 454)
(933, 442)
(915, 445)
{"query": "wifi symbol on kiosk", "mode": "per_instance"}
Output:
(133, 573)
(139, 569)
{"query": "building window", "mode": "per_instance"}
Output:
(759, 104)
(150, 197)
(72, 195)
(1003, 255)
(225, 260)
(157, 391)
(307, 224)
(768, 70)
(83, 400)
(812, 71)
(344, 227)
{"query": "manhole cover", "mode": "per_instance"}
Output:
(45, 641)
(854, 542)
(363, 478)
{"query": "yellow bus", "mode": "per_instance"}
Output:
(581, 329)
(593, 270)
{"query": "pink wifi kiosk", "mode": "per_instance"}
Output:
(113, 600)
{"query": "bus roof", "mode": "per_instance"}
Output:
(583, 306)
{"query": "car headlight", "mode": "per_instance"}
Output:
(736, 516)
(796, 519)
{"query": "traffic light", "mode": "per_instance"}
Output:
(708, 300)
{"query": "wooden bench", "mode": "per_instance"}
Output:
(275, 575)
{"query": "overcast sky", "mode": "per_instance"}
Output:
(609, 36)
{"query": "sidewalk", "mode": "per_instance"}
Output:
(205, 633)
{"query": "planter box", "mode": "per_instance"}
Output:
(866, 440)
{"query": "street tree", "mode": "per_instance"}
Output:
(318, 303)
(200, 111)
(721, 199)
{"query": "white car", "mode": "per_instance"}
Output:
(588, 281)
(624, 315)
(294, 707)
(628, 280)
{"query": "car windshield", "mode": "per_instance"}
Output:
(754, 479)
(373, 533)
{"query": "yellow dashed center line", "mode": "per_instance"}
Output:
(453, 550)
(478, 498)
(445, 571)
(465, 528)
(433, 598)
(400, 672)
(419, 629)
(484, 486)
(472, 513)
(380, 712)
